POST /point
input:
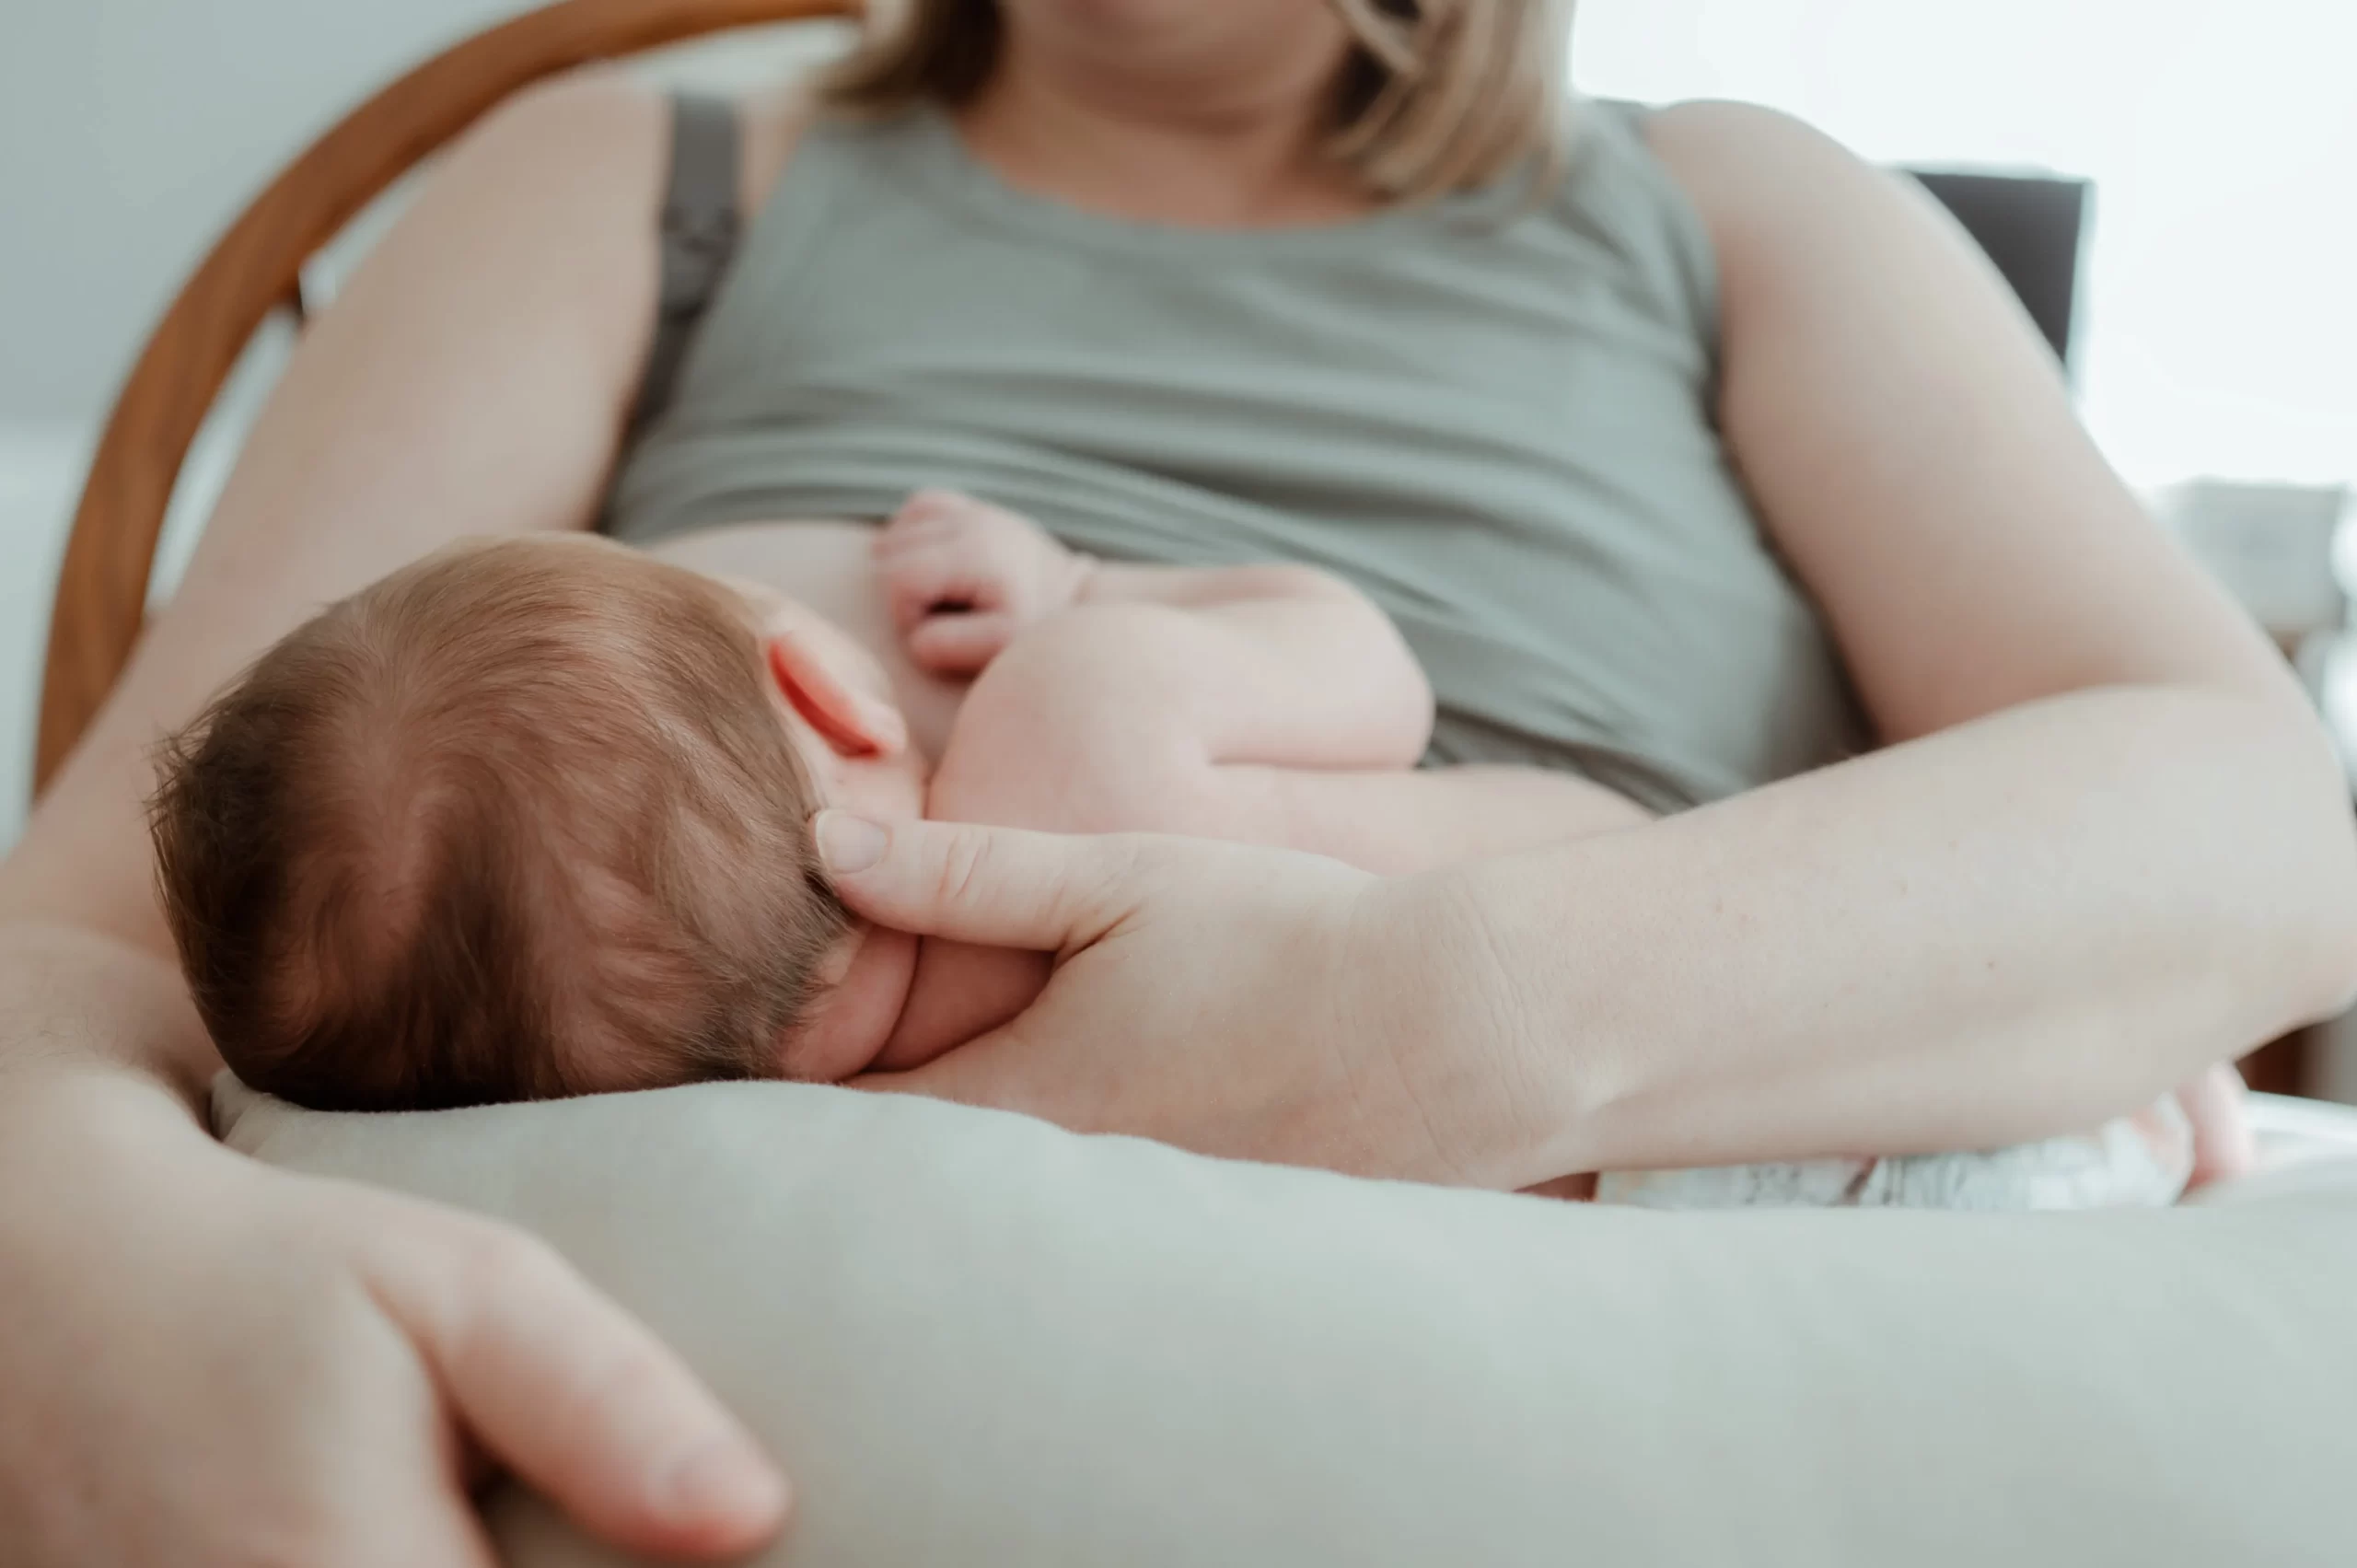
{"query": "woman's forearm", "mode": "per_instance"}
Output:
(2022, 926)
(75, 1003)
(1396, 822)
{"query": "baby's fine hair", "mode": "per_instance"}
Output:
(520, 820)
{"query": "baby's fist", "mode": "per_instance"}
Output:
(964, 577)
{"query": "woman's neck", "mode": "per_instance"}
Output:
(1247, 153)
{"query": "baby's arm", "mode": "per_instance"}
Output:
(1269, 703)
(1292, 719)
(1275, 664)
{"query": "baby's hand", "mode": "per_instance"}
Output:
(963, 579)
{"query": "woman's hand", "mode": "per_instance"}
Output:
(2218, 1109)
(1249, 1003)
(210, 1362)
(1262, 1003)
(963, 577)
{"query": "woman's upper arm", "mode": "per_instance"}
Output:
(473, 379)
(1913, 452)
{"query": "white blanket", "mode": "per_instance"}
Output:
(981, 1341)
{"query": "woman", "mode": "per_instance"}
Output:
(2104, 845)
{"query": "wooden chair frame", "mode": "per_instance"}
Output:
(256, 268)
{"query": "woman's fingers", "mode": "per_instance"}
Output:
(573, 1394)
(995, 887)
(210, 1363)
(2223, 1144)
(1221, 997)
(994, 1071)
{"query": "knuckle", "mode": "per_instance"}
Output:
(620, 1376)
(1137, 863)
(965, 867)
(493, 1263)
(1120, 866)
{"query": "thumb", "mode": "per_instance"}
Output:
(2224, 1146)
(992, 887)
(573, 1395)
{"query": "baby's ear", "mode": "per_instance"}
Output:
(820, 680)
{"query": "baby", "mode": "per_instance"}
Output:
(529, 819)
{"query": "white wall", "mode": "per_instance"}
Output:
(132, 131)
(41, 468)
(2222, 329)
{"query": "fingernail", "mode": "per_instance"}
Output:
(849, 844)
(722, 1479)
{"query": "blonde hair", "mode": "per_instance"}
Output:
(1438, 96)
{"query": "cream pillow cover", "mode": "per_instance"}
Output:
(978, 1340)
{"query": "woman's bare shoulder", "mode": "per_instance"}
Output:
(1690, 125)
(1758, 175)
(599, 120)
(609, 125)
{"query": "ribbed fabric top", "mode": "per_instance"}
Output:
(1493, 412)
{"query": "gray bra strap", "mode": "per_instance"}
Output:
(700, 228)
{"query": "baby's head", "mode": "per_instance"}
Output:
(528, 818)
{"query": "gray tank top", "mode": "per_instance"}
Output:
(1491, 414)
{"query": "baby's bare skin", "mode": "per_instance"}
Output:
(830, 566)
(1265, 704)
(925, 1000)
(920, 1000)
